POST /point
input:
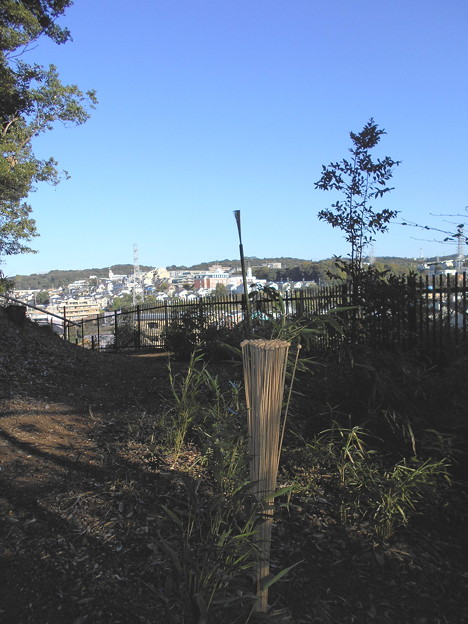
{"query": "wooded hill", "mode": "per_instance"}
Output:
(58, 278)
(295, 269)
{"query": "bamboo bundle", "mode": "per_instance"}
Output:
(264, 373)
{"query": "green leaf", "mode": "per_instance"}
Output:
(173, 516)
(268, 582)
(285, 490)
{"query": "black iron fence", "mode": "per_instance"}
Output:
(145, 328)
(402, 311)
(431, 311)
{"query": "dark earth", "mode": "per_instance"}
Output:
(81, 516)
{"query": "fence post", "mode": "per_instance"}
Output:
(138, 345)
(464, 304)
(65, 323)
(200, 312)
(441, 311)
(456, 299)
(166, 317)
(428, 325)
(412, 311)
(115, 329)
(244, 308)
(98, 334)
(301, 305)
(422, 308)
(82, 333)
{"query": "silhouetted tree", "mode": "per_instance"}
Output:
(361, 180)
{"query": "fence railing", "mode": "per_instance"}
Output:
(46, 317)
(145, 327)
(417, 310)
(404, 311)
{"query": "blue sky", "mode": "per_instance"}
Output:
(211, 106)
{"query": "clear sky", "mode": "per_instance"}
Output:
(211, 106)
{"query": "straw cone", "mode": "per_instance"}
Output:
(264, 373)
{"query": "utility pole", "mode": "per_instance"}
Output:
(244, 274)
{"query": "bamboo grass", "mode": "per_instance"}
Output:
(264, 374)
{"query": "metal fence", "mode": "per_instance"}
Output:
(403, 311)
(144, 328)
(429, 311)
(439, 309)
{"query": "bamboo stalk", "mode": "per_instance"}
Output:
(264, 374)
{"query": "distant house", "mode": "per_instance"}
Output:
(76, 309)
(209, 280)
(182, 294)
(28, 296)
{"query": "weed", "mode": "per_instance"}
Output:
(185, 394)
(402, 489)
(212, 553)
(389, 495)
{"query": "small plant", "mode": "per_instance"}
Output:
(185, 394)
(212, 552)
(182, 336)
(389, 494)
(225, 455)
(403, 488)
(352, 453)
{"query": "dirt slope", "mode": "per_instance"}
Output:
(53, 399)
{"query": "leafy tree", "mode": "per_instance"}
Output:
(266, 273)
(220, 290)
(361, 180)
(174, 267)
(125, 302)
(149, 301)
(162, 285)
(32, 101)
(42, 298)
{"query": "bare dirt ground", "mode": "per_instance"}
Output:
(62, 519)
(81, 512)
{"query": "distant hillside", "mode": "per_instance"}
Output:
(307, 269)
(57, 278)
(251, 261)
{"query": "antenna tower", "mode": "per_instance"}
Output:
(136, 273)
